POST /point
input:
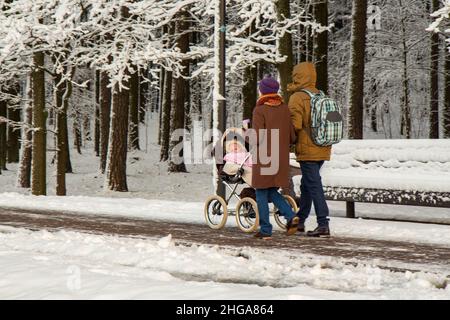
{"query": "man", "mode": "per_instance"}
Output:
(270, 171)
(310, 156)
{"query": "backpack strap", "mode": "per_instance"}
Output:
(312, 94)
(309, 93)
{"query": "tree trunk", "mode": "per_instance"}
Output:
(166, 113)
(116, 179)
(105, 112)
(77, 137)
(87, 128)
(97, 115)
(358, 50)
(284, 48)
(162, 74)
(3, 108)
(406, 111)
(249, 89)
(176, 159)
(249, 92)
(143, 93)
(117, 151)
(434, 80)
(321, 50)
(446, 124)
(39, 157)
(62, 95)
(187, 104)
(134, 112)
(13, 144)
(24, 171)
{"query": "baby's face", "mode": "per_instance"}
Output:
(235, 147)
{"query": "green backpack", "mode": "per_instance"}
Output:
(327, 123)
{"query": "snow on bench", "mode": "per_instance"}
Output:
(408, 172)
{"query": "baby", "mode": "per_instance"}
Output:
(236, 155)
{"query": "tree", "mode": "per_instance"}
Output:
(357, 64)
(134, 111)
(285, 49)
(97, 114)
(406, 110)
(63, 91)
(116, 172)
(24, 172)
(39, 156)
(176, 163)
(166, 102)
(3, 108)
(446, 113)
(434, 80)
(249, 92)
(105, 114)
(321, 48)
(13, 144)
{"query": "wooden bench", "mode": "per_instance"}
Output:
(403, 172)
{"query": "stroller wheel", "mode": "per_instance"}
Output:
(247, 216)
(280, 220)
(216, 212)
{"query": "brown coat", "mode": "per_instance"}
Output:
(304, 77)
(274, 170)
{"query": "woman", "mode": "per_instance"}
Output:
(274, 134)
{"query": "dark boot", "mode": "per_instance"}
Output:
(301, 228)
(319, 232)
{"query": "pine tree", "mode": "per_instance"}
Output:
(285, 48)
(3, 108)
(166, 103)
(105, 113)
(434, 79)
(97, 114)
(249, 91)
(406, 109)
(446, 117)
(13, 144)
(24, 172)
(39, 157)
(321, 48)
(134, 112)
(358, 49)
(176, 161)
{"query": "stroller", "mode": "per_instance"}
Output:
(246, 211)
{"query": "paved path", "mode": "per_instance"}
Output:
(349, 248)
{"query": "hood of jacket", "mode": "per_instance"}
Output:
(304, 76)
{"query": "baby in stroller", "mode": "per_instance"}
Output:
(238, 160)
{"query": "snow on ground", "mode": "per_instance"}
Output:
(192, 212)
(71, 265)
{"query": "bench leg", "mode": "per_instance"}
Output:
(350, 209)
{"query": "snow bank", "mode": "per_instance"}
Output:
(43, 265)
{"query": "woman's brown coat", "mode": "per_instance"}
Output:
(271, 168)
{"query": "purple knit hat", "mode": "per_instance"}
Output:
(268, 85)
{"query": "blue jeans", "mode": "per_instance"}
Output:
(263, 196)
(312, 192)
